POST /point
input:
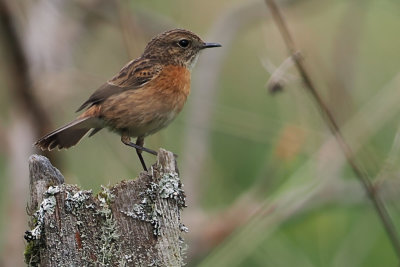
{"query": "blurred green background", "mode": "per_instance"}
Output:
(265, 180)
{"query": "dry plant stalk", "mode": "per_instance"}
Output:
(360, 173)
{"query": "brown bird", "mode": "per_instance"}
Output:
(144, 97)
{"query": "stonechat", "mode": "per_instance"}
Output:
(141, 99)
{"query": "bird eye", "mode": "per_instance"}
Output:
(184, 43)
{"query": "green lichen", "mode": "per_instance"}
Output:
(171, 187)
(146, 210)
(109, 249)
(126, 260)
(75, 202)
(146, 213)
(168, 187)
(106, 194)
(31, 253)
(46, 207)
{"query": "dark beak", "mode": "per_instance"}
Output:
(210, 45)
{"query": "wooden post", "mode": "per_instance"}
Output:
(133, 223)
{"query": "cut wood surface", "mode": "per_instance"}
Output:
(133, 223)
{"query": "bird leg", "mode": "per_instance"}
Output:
(139, 148)
(127, 141)
(140, 142)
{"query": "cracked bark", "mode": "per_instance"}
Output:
(133, 223)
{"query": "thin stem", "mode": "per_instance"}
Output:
(360, 173)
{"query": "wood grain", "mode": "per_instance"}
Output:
(133, 223)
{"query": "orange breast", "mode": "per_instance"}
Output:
(148, 109)
(173, 83)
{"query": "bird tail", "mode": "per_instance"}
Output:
(69, 134)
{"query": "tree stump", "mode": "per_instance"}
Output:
(133, 223)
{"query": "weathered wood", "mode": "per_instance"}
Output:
(133, 223)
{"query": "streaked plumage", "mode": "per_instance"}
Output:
(144, 97)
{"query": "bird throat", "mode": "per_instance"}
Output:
(193, 62)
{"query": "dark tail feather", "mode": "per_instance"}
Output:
(67, 135)
(95, 131)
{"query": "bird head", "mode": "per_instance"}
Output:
(177, 47)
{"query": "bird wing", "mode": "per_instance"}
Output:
(132, 76)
